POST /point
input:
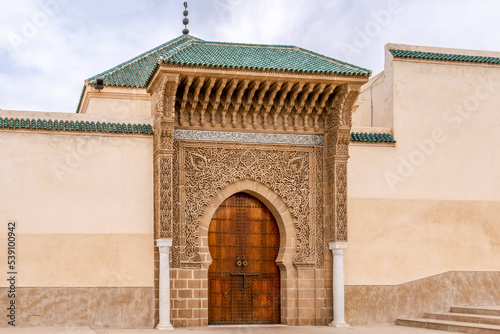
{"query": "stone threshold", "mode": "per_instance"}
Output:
(272, 325)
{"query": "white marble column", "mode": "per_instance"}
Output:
(164, 248)
(337, 249)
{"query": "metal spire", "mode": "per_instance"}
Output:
(185, 31)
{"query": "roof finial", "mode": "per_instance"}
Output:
(185, 31)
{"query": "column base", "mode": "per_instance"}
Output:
(164, 327)
(338, 324)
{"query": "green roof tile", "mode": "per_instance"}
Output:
(189, 50)
(365, 137)
(79, 126)
(443, 56)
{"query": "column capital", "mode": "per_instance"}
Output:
(163, 243)
(337, 245)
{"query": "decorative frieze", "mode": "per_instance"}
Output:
(248, 137)
(74, 126)
(205, 102)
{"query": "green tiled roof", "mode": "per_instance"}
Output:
(74, 126)
(443, 56)
(189, 50)
(366, 137)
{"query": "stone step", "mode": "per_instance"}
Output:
(451, 326)
(484, 310)
(466, 317)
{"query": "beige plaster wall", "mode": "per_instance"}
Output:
(397, 241)
(116, 101)
(374, 107)
(430, 204)
(83, 204)
(83, 260)
(118, 106)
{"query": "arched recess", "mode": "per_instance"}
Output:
(288, 238)
(279, 209)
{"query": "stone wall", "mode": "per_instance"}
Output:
(383, 304)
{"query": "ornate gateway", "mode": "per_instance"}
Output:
(279, 135)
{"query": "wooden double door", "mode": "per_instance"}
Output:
(244, 280)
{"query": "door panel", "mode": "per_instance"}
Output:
(244, 280)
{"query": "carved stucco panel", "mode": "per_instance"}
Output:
(176, 207)
(163, 98)
(163, 109)
(341, 201)
(337, 189)
(163, 207)
(290, 172)
(320, 218)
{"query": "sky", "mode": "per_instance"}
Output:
(49, 47)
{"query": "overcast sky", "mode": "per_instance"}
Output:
(49, 47)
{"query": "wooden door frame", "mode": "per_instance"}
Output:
(288, 237)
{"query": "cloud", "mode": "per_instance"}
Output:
(74, 40)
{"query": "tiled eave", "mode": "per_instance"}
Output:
(32, 124)
(408, 54)
(366, 137)
(11, 123)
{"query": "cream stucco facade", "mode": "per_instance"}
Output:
(422, 211)
(81, 201)
(440, 179)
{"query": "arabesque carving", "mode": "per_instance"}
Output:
(163, 136)
(320, 219)
(164, 168)
(163, 108)
(341, 201)
(337, 138)
(163, 98)
(198, 172)
(176, 207)
(207, 170)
